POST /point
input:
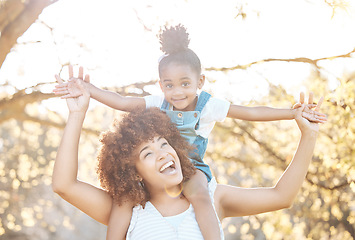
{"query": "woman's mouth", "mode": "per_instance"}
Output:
(168, 168)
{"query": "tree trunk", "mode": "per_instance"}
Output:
(16, 16)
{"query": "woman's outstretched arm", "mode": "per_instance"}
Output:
(234, 201)
(91, 200)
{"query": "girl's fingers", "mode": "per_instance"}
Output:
(60, 92)
(59, 80)
(297, 105)
(310, 98)
(61, 85)
(310, 106)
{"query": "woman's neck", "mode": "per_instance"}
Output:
(169, 204)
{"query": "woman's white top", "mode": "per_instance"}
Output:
(148, 224)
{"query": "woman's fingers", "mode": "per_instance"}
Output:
(60, 92)
(319, 104)
(71, 72)
(314, 118)
(66, 96)
(87, 78)
(310, 98)
(302, 97)
(319, 114)
(81, 73)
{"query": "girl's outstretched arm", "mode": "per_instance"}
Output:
(234, 201)
(263, 113)
(91, 200)
(111, 99)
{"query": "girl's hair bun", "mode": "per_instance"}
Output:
(174, 39)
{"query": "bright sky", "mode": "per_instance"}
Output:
(107, 38)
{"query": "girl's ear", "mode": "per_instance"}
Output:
(201, 81)
(161, 85)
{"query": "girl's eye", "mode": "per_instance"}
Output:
(146, 155)
(185, 84)
(169, 86)
(164, 144)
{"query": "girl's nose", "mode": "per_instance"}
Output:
(177, 92)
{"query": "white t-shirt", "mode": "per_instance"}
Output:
(215, 110)
(148, 224)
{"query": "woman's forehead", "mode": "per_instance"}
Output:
(150, 141)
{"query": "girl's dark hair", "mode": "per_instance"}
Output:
(118, 154)
(175, 44)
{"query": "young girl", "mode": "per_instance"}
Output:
(194, 115)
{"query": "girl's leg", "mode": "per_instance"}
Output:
(119, 221)
(196, 191)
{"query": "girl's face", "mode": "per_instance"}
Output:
(179, 84)
(159, 165)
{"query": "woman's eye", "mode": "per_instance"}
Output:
(164, 144)
(146, 155)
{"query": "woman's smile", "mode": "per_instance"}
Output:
(168, 168)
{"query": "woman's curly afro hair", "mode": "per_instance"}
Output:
(118, 153)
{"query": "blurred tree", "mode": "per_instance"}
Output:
(16, 16)
(29, 137)
(251, 154)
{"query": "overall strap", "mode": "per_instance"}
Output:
(202, 100)
(165, 105)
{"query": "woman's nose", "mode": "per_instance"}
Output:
(163, 155)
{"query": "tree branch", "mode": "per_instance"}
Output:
(313, 62)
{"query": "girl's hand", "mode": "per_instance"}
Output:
(71, 89)
(81, 102)
(308, 113)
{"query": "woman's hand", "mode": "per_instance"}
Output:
(81, 102)
(305, 125)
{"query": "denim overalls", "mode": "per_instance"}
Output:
(188, 123)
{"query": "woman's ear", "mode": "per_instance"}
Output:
(201, 81)
(139, 178)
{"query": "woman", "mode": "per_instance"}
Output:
(145, 163)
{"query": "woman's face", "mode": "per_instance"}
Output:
(159, 165)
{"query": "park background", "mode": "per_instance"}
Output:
(254, 52)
